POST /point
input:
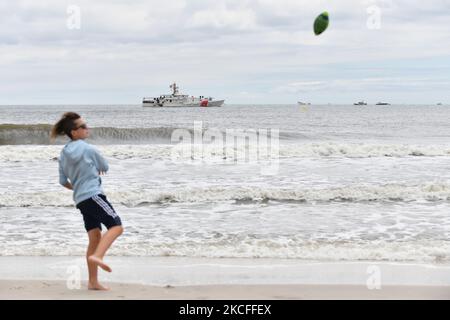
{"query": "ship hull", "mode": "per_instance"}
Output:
(152, 104)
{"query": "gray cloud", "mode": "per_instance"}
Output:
(125, 49)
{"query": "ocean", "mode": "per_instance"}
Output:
(346, 183)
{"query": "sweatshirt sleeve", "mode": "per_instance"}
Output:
(62, 177)
(100, 163)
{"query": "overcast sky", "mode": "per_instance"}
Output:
(244, 51)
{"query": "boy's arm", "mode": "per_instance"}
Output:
(100, 162)
(63, 179)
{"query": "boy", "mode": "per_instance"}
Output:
(80, 167)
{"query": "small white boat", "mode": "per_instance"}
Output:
(180, 100)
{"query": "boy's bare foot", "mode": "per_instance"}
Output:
(97, 286)
(99, 262)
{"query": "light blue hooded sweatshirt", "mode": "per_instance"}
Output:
(80, 163)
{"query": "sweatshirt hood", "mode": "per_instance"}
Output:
(74, 150)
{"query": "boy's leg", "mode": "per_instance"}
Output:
(95, 236)
(107, 216)
(106, 241)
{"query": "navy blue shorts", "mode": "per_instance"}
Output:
(97, 211)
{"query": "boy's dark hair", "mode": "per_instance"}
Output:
(65, 125)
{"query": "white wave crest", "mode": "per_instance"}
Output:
(205, 152)
(431, 251)
(140, 197)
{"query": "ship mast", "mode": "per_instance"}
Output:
(174, 88)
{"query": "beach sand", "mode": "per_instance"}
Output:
(177, 278)
(57, 290)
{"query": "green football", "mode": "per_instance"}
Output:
(321, 23)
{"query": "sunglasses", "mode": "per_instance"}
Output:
(83, 126)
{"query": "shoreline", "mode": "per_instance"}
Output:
(189, 271)
(182, 278)
(57, 290)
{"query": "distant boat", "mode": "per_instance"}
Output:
(360, 103)
(303, 103)
(180, 100)
(439, 104)
(383, 104)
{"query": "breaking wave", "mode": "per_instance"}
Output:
(38, 134)
(432, 192)
(431, 251)
(170, 152)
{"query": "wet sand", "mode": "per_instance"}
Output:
(58, 290)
